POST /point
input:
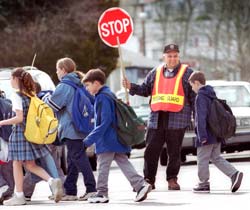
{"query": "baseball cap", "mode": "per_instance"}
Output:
(171, 47)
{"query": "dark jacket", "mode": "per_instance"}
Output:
(104, 135)
(202, 106)
(177, 120)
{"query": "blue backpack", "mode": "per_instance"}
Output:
(82, 109)
(5, 113)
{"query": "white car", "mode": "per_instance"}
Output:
(39, 76)
(237, 95)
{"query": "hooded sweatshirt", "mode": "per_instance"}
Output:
(104, 135)
(203, 102)
(61, 101)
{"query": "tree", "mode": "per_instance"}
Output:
(68, 30)
(240, 14)
(171, 16)
(25, 11)
(232, 31)
(189, 8)
(162, 9)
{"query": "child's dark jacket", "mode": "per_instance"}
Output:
(104, 135)
(202, 106)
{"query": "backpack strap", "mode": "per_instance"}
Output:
(211, 97)
(98, 110)
(113, 97)
(110, 95)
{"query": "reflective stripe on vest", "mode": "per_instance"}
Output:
(168, 93)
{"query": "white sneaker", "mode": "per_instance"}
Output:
(15, 201)
(3, 190)
(86, 196)
(98, 199)
(57, 189)
(143, 192)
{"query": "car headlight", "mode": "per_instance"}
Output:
(243, 122)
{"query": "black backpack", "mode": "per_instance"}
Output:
(5, 113)
(130, 128)
(221, 121)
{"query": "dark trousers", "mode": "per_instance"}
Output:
(6, 178)
(78, 162)
(154, 143)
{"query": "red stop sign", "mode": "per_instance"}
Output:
(115, 23)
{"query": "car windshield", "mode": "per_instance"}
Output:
(236, 96)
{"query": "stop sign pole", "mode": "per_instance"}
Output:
(122, 68)
(115, 27)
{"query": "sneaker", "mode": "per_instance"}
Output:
(69, 198)
(86, 196)
(236, 181)
(57, 189)
(27, 198)
(201, 189)
(98, 199)
(151, 183)
(15, 201)
(143, 192)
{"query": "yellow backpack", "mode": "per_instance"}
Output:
(41, 124)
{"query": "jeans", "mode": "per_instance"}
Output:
(154, 143)
(78, 162)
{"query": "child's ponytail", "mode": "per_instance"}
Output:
(25, 81)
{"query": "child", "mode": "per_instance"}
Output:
(108, 147)
(50, 162)
(208, 145)
(22, 152)
(61, 101)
